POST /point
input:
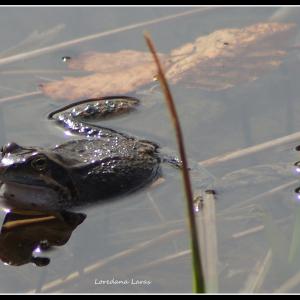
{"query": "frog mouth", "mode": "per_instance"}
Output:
(39, 192)
(24, 182)
(18, 195)
(5, 177)
(31, 181)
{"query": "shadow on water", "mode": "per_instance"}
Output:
(24, 234)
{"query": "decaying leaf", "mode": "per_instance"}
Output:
(117, 73)
(113, 62)
(228, 57)
(220, 60)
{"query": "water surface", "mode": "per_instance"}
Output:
(110, 244)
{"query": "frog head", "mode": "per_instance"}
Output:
(35, 178)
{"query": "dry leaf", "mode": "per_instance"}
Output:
(228, 57)
(220, 60)
(112, 62)
(117, 73)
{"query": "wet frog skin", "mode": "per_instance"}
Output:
(105, 163)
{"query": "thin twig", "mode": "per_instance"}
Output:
(199, 283)
(254, 229)
(135, 249)
(20, 223)
(160, 261)
(35, 39)
(39, 71)
(20, 96)
(44, 50)
(103, 262)
(258, 274)
(291, 283)
(261, 196)
(250, 150)
(248, 231)
(161, 226)
(10, 89)
(156, 208)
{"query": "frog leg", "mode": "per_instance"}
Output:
(197, 172)
(172, 161)
(201, 179)
(77, 116)
(98, 108)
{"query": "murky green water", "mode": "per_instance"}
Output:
(140, 243)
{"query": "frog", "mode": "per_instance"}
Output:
(100, 163)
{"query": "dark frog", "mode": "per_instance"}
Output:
(105, 163)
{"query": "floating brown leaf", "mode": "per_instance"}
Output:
(228, 57)
(117, 73)
(220, 60)
(113, 62)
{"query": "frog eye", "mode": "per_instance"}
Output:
(39, 163)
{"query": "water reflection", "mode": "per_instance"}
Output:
(27, 233)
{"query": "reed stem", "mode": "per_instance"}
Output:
(199, 283)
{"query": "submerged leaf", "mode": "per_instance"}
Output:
(113, 62)
(218, 61)
(227, 57)
(117, 73)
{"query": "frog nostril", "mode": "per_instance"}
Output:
(10, 147)
(297, 164)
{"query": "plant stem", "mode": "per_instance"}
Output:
(199, 284)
